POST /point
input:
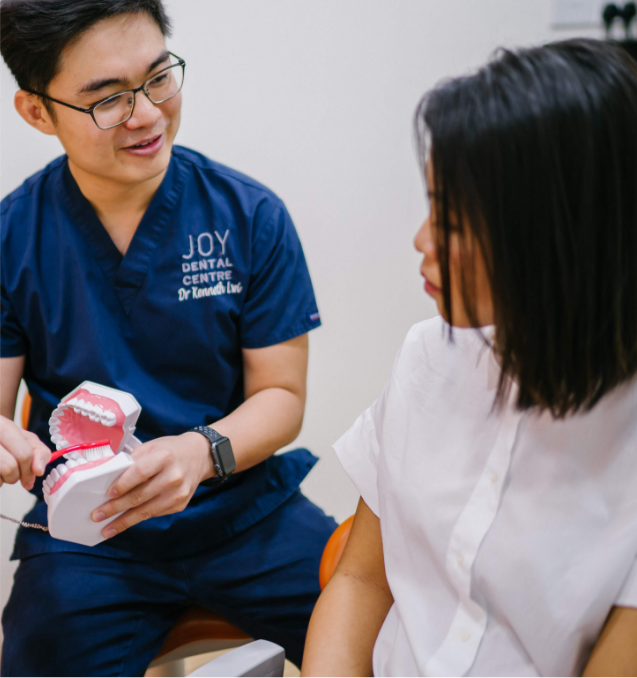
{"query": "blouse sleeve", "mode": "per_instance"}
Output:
(628, 594)
(358, 451)
(362, 448)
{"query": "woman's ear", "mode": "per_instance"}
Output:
(32, 110)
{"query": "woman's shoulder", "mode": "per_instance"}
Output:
(433, 345)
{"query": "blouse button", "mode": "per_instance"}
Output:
(460, 559)
(464, 635)
(494, 478)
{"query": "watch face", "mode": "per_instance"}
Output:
(226, 456)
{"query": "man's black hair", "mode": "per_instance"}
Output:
(34, 33)
(535, 155)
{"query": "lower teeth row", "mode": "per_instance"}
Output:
(61, 470)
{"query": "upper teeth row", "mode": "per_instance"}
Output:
(86, 409)
(74, 460)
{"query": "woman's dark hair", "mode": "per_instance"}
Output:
(535, 155)
(34, 33)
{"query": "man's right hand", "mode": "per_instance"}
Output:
(23, 456)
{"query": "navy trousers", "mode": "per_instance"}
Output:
(73, 614)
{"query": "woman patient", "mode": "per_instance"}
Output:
(497, 526)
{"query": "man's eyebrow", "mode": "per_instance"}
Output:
(96, 85)
(164, 56)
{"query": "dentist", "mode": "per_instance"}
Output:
(147, 267)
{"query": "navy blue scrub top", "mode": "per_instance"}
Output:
(214, 266)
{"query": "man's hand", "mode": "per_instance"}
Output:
(164, 477)
(23, 456)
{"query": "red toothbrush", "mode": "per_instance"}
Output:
(98, 450)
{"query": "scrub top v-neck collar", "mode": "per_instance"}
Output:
(126, 273)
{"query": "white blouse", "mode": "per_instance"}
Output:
(507, 536)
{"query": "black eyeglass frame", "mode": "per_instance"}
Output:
(142, 88)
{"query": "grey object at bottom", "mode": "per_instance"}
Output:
(260, 658)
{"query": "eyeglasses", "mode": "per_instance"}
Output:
(117, 108)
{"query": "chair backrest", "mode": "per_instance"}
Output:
(333, 551)
(26, 410)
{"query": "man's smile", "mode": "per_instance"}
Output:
(148, 146)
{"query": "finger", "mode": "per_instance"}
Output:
(9, 469)
(144, 468)
(15, 443)
(41, 457)
(135, 516)
(136, 497)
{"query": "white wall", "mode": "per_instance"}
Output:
(315, 100)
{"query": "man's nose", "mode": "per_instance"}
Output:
(145, 114)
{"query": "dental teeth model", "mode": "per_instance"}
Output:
(95, 424)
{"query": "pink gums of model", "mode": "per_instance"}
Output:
(74, 489)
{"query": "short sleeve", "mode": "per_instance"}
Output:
(280, 302)
(628, 594)
(358, 452)
(12, 338)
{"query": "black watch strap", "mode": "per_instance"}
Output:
(222, 457)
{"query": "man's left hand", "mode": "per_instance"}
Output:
(164, 477)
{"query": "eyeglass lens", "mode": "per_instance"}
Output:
(118, 108)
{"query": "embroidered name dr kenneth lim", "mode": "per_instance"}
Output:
(213, 265)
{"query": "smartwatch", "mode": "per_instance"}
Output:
(221, 454)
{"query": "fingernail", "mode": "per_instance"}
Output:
(109, 533)
(112, 492)
(99, 516)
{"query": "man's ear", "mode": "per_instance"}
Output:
(31, 109)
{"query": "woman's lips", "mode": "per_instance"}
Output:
(149, 149)
(431, 289)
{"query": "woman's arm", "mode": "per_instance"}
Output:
(615, 653)
(353, 606)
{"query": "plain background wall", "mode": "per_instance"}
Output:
(315, 100)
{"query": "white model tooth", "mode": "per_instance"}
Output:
(71, 403)
(46, 489)
(54, 421)
(55, 475)
(48, 481)
(61, 469)
(58, 411)
(61, 444)
(76, 456)
(109, 419)
(54, 429)
(70, 463)
(56, 437)
(81, 461)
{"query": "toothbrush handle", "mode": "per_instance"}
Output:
(57, 455)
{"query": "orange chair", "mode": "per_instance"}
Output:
(333, 551)
(26, 410)
(198, 630)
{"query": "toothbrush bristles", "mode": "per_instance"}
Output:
(95, 453)
(90, 453)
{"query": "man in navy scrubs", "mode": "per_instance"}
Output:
(147, 267)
